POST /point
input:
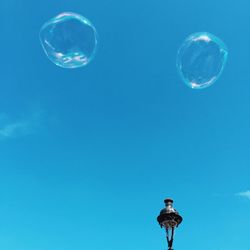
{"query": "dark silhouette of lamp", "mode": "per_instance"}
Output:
(170, 219)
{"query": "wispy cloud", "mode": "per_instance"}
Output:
(245, 194)
(16, 128)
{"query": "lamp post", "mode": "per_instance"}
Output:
(170, 219)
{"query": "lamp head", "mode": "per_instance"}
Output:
(169, 217)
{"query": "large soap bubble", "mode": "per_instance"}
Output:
(201, 59)
(69, 40)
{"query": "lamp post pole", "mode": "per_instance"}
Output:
(169, 219)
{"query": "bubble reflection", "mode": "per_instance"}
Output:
(201, 59)
(69, 40)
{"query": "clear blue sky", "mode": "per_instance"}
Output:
(88, 155)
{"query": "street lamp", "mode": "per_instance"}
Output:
(169, 218)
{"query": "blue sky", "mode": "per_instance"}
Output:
(88, 155)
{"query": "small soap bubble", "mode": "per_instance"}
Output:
(201, 59)
(69, 40)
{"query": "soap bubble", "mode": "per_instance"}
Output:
(69, 40)
(201, 59)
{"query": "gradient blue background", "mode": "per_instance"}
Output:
(88, 155)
